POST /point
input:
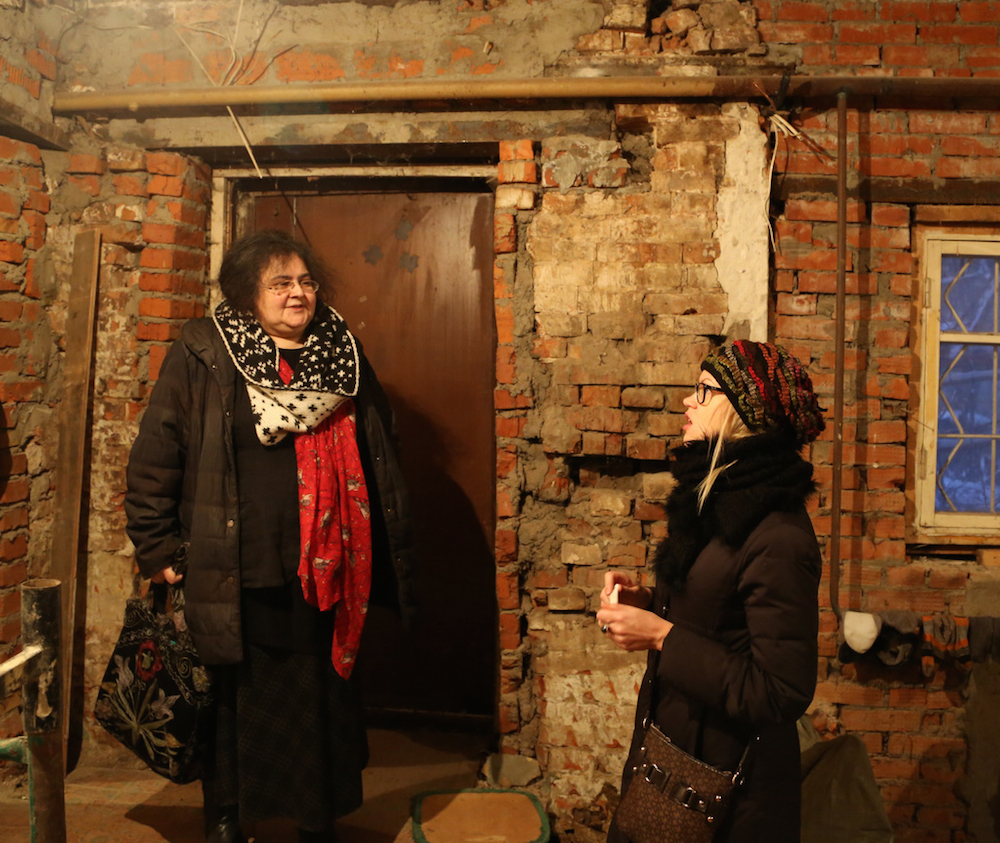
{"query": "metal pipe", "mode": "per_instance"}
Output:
(543, 88)
(840, 336)
(14, 749)
(41, 697)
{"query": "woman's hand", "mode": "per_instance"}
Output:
(168, 574)
(632, 628)
(630, 594)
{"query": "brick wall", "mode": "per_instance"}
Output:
(24, 354)
(151, 209)
(606, 292)
(914, 727)
(906, 38)
(607, 287)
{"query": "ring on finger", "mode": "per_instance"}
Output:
(605, 629)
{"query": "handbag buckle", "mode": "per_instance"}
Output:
(689, 798)
(656, 776)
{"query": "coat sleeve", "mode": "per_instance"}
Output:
(773, 678)
(155, 474)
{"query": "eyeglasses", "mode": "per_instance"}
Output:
(701, 391)
(284, 288)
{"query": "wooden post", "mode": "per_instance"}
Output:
(42, 700)
(73, 414)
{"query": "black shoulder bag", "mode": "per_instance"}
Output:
(156, 693)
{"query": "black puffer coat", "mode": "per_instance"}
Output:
(182, 488)
(739, 582)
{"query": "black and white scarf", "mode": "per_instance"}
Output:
(328, 371)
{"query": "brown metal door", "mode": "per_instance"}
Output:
(414, 274)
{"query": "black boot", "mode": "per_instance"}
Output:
(223, 826)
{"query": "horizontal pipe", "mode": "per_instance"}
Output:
(14, 749)
(15, 662)
(544, 88)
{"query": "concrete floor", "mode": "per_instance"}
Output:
(123, 806)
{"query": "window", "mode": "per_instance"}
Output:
(958, 443)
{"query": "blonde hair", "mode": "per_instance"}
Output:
(733, 427)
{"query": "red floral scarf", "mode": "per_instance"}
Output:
(335, 566)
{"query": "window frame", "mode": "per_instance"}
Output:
(928, 524)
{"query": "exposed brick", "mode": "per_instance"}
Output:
(165, 186)
(166, 164)
(85, 163)
(520, 150)
(173, 234)
(520, 172)
(960, 34)
(920, 11)
(179, 259)
(504, 234)
(130, 185)
(11, 252)
(877, 33)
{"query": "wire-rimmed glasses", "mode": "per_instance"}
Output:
(283, 288)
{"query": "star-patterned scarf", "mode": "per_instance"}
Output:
(334, 516)
(328, 371)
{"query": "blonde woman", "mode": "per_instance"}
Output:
(731, 626)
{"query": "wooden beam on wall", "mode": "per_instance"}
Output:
(74, 414)
(893, 191)
(22, 125)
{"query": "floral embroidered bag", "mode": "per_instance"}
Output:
(155, 694)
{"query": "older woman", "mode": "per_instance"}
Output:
(264, 463)
(731, 627)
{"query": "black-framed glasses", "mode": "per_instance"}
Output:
(701, 391)
(283, 288)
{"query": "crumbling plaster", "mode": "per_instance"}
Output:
(111, 46)
(742, 226)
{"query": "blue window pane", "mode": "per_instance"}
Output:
(968, 304)
(966, 477)
(968, 389)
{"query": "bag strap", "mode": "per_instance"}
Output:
(654, 663)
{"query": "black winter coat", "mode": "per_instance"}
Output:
(741, 659)
(182, 489)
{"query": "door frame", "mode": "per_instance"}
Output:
(228, 182)
(224, 180)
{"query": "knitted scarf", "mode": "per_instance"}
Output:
(767, 475)
(314, 403)
(328, 371)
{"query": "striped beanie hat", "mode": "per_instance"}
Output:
(768, 387)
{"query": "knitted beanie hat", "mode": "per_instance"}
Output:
(768, 387)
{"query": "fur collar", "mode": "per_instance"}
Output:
(767, 475)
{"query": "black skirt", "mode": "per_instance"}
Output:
(288, 739)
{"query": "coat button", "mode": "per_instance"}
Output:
(230, 523)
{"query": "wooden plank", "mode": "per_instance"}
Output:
(71, 455)
(893, 190)
(22, 125)
(957, 213)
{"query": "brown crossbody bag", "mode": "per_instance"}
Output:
(673, 796)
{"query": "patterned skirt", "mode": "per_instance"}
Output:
(288, 741)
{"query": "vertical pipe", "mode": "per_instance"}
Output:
(41, 615)
(837, 458)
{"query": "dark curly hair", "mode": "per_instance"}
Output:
(248, 257)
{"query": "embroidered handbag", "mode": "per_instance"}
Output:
(673, 796)
(155, 694)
